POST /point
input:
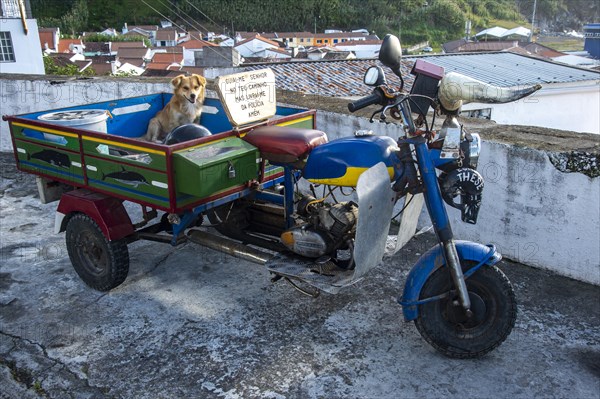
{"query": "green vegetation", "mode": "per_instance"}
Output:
(414, 20)
(97, 37)
(560, 43)
(71, 70)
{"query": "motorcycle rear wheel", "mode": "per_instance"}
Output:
(444, 325)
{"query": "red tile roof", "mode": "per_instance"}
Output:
(540, 49)
(132, 52)
(170, 73)
(168, 49)
(101, 68)
(258, 37)
(160, 65)
(166, 35)
(487, 46)
(115, 46)
(63, 45)
(138, 62)
(47, 38)
(167, 57)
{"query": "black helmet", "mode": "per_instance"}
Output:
(466, 183)
(188, 132)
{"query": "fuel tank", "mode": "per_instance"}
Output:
(340, 162)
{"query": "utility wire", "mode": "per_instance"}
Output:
(207, 17)
(180, 26)
(180, 16)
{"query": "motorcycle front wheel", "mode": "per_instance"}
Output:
(446, 327)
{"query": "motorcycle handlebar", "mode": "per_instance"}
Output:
(361, 103)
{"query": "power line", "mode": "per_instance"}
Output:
(207, 17)
(179, 26)
(185, 20)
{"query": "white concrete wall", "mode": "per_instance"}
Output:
(536, 214)
(253, 48)
(267, 53)
(533, 213)
(361, 50)
(20, 96)
(27, 48)
(189, 57)
(572, 106)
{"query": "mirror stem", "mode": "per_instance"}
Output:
(398, 73)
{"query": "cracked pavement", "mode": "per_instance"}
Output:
(191, 322)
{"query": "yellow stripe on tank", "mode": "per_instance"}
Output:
(293, 122)
(349, 179)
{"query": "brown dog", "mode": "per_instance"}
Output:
(185, 107)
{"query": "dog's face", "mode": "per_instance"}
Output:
(191, 88)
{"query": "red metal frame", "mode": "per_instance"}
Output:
(107, 211)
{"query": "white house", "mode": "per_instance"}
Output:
(169, 37)
(276, 53)
(569, 98)
(49, 39)
(255, 47)
(109, 32)
(191, 47)
(361, 48)
(19, 39)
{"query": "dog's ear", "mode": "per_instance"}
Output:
(177, 80)
(201, 80)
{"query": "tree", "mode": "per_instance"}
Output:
(75, 20)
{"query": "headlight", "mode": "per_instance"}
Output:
(474, 149)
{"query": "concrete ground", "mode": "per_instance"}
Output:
(190, 322)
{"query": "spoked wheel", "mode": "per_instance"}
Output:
(447, 328)
(100, 263)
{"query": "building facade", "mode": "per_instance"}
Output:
(19, 39)
(592, 39)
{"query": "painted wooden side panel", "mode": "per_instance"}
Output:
(53, 162)
(134, 170)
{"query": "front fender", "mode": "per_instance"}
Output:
(432, 260)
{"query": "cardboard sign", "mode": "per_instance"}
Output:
(248, 96)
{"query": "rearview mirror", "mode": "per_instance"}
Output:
(390, 53)
(374, 76)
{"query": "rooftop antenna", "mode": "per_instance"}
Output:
(468, 29)
(533, 21)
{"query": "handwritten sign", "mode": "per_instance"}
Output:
(248, 96)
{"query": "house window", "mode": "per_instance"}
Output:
(335, 40)
(484, 113)
(319, 41)
(7, 53)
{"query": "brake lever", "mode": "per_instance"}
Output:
(381, 118)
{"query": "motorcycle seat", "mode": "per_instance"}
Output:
(285, 145)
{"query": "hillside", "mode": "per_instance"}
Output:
(413, 20)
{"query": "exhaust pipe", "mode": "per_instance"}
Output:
(456, 89)
(229, 247)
